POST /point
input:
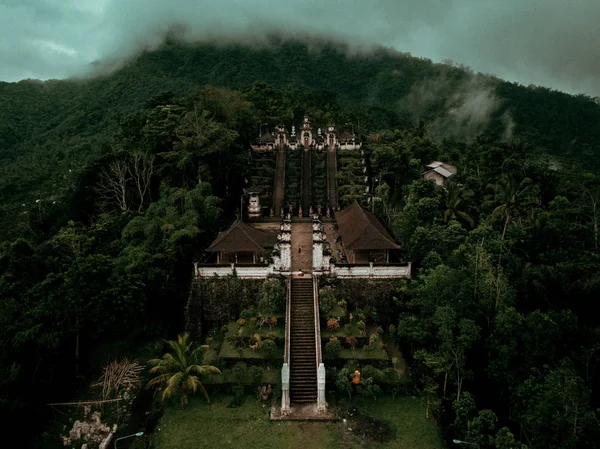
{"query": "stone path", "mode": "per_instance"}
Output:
(302, 236)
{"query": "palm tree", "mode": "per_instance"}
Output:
(457, 198)
(510, 195)
(420, 129)
(179, 372)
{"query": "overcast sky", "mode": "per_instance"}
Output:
(554, 43)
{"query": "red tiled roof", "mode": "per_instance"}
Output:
(360, 229)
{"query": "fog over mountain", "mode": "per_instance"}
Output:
(545, 42)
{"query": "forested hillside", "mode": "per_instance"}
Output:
(111, 187)
(49, 128)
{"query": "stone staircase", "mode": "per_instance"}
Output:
(306, 182)
(279, 182)
(303, 364)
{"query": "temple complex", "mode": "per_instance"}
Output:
(308, 139)
(302, 241)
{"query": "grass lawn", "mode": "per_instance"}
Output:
(406, 416)
(200, 425)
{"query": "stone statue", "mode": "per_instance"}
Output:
(271, 212)
(300, 212)
(319, 210)
(282, 213)
(311, 210)
(327, 213)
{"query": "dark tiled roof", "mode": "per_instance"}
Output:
(267, 138)
(242, 237)
(345, 136)
(360, 229)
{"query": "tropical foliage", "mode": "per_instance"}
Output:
(179, 372)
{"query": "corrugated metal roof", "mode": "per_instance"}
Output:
(442, 171)
(435, 164)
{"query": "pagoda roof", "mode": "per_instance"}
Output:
(360, 229)
(345, 135)
(267, 138)
(242, 237)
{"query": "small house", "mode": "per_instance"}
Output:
(439, 172)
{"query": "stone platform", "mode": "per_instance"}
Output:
(303, 412)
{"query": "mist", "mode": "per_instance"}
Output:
(544, 42)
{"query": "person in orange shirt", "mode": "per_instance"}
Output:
(355, 380)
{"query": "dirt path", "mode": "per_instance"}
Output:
(302, 237)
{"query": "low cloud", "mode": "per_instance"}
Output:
(468, 111)
(461, 109)
(545, 42)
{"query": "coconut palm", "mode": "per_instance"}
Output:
(179, 371)
(510, 196)
(457, 199)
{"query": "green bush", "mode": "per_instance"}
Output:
(333, 347)
(269, 349)
(255, 374)
(343, 381)
(327, 301)
(271, 297)
(239, 373)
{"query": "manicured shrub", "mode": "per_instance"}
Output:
(333, 324)
(271, 336)
(271, 297)
(239, 373)
(333, 347)
(269, 349)
(255, 374)
(327, 301)
(351, 341)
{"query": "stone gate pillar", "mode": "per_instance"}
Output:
(285, 389)
(321, 403)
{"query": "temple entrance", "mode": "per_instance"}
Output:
(302, 247)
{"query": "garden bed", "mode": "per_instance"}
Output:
(351, 178)
(227, 352)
